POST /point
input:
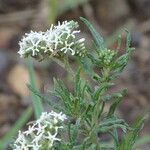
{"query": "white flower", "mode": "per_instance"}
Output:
(31, 43)
(58, 39)
(42, 131)
(21, 143)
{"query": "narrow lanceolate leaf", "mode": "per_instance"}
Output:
(88, 66)
(111, 123)
(14, 130)
(130, 138)
(114, 106)
(37, 103)
(114, 95)
(101, 90)
(99, 41)
(128, 40)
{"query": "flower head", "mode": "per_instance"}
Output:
(107, 56)
(41, 133)
(57, 40)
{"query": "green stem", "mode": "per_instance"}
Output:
(67, 65)
(95, 139)
(98, 110)
(64, 65)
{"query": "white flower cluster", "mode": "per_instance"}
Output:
(58, 39)
(41, 134)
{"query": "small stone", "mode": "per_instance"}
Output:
(18, 78)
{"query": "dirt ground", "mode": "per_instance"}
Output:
(108, 17)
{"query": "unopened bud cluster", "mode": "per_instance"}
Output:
(106, 56)
(57, 40)
(40, 134)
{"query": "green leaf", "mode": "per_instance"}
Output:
(37, 104)
(62, 92)
(129, 49)
(114, 96)
(88, 66)
(100, 90)
(35, 92)
(114, 106)
(16, 127)
(128, 41)
(106, 146)
(114, 36)
(80, 86)
(75, 129)
(129, 139)
(111, 123)
(54, 105)
(78, 83)
(99, 41)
